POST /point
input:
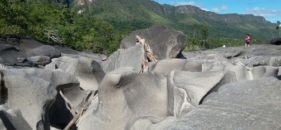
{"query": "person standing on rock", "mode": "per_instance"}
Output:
(247, 40)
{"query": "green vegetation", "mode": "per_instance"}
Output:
(57, 24)
(199, 39)
(103, 24)
(13, 19)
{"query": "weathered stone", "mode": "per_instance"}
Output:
(189, 88)
(12, 120)
(131, 57)
(125, 97)
(33, 91)
(250, 105)
(39, 60)
(229, 52)
(44, 50)
(9, 55)
(168, 65)
(88, 71)
(27, 45)
(165, 42)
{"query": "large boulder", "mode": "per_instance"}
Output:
(28, 44)
(44, 50)
(164, 41)
(27, 52)
(11, 55)
(33, 91)
(130, 57)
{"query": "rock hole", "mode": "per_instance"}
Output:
(3, 90)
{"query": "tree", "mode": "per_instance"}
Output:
(200, 35)
(204, 34)
(278, 27)
(13, 18)
(58, 24)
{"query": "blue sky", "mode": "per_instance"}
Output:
(270, 9)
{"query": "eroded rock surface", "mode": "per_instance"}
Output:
(222, 88)
(130, 57)
(249, 105)
(32, 91)
(12, 120)
(87, 70)
(125, 96)
(164, 41)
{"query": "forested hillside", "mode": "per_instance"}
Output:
(99, 25)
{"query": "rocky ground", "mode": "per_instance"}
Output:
(47, 87)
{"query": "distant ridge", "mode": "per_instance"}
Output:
(182, 17)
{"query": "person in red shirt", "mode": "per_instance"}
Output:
(247, 40)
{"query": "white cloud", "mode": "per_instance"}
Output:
(191, 3)
(263, 12)
(185, 3)
(205, 9)
(220, 9)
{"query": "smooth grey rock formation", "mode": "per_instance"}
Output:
(39, 60)
(130, 57)
(263, 61)
(223, 88)
(189, 88)
(124, 97)
(44, 50)
(264, 71)
(88, 71)
(10, 55)
(28, 44)
(230, 52)
(249, 105)
(12, 120)
(164, 41)
(168, 65)
(240, 72)
(265, 50)
(33, 91)
(66, 50)
(99, 57)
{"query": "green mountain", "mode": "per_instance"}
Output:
(182, 17)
